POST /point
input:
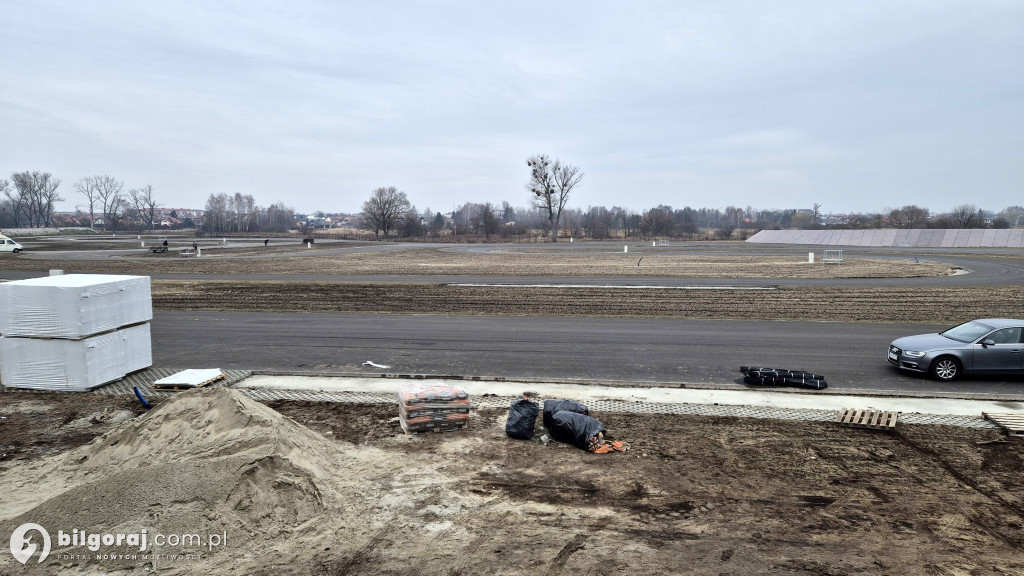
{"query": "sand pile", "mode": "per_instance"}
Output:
(204, 462)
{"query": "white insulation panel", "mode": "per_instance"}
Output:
(74, 365)
(73, 305)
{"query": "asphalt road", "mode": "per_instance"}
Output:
(642, 351)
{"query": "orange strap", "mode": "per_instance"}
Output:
(607, 447)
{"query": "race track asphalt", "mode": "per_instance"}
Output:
(624, 350)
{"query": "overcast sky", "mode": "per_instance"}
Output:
(857, 106)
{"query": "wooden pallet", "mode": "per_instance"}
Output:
(438, 430)
(183, 387)
(1012, 422)
(871, 419)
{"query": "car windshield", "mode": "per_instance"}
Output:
(968, 332)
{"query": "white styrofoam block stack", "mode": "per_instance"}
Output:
(74, 365)
(74, 332)
(73, 305)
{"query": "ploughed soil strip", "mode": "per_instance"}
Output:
(843, 304)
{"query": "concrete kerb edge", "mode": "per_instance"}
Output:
(648, 384)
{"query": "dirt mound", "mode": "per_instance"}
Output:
(209, 462)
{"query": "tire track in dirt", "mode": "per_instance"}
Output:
(993, 526)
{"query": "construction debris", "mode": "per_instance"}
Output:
(188, 379)
(782, 377)
(1011, 422)
(871, 419)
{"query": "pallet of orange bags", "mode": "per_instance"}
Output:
(432, 407)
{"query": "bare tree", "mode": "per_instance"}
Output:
(118, 208)
(38, 193)
(384, 210)
(803, 221)
(243, 207)
(490, 222)
(216, 214)
(551, 184)
(910, 216)
(15, 204)
(277, 217)
(658, 221)
(964, 216)
(144, 204)
(597, 222)
(105, 191)
(89, 188)
(1014, 215)
(413, 225)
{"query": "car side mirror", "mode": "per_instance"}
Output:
(988, 342)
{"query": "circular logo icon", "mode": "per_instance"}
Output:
(22, 547)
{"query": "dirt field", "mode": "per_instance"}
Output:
(451, 261)
(784, 303)
(694, 495)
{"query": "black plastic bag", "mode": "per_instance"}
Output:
(573, 428)
(552, 406)
(522, 417)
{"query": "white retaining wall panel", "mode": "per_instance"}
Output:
(921, 238)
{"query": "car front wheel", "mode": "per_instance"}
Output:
(946, 369)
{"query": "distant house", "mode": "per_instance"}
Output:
(318, 222)
(169, 222)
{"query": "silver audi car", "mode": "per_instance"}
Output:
(990, 345)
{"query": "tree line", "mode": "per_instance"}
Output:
(27, 201)
(239, 214)
(551, 182)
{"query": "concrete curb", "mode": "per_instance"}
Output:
(738, 385)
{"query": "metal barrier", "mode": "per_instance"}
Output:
(832, 257)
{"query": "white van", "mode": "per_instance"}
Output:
(8, 245)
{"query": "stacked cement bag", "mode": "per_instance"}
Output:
(424, 407)
(74, 332)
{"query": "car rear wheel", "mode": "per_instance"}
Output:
(946, 369)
